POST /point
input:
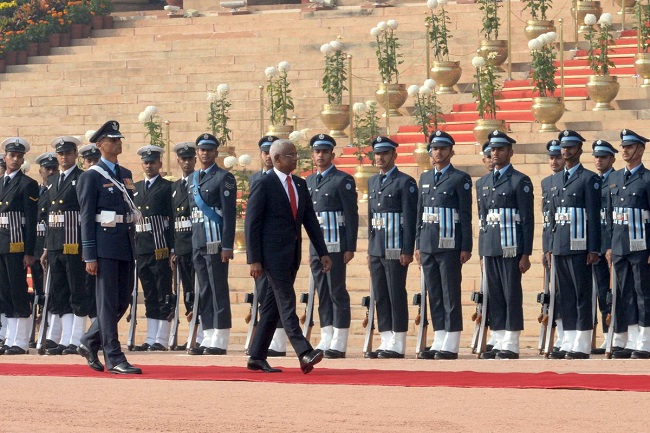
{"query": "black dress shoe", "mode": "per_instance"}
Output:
(261, 365)
(142, 348)
(15, 350)
(427, 354)
(49, 344)
(507, 354)
(58, 350)
(560, 354)
(576, 355)
(489, 347)
(640, 354)
(181, 348)
(91, 358)
(371, 354)
(70, 350)
(32, 344)
(598, 351)
(214, 351)
(621, 353)
(196, 351)
(489, 354)
(3, 349)
(334, 354)
(443, 354)
(157, 347)
(125, 368)
(390, 354)
(309, 359)
(275, 353)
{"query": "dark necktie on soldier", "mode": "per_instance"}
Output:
(201, 175)
(566, 176)
(436, 177)
(61, 179)
(497, 174)
(147, 185)
(628, 173)
(319, 178)
(42, 190)
(118, 173)
(184, 184)
(382, 178)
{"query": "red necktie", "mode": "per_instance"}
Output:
(292, 198)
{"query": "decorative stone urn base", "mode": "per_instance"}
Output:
(602, 89)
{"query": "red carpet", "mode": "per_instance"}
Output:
(325, 376)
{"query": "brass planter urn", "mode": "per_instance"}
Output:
(602, 89)
(361, 175)
(628, 5)
(483, 128)
(500, 47)
(642, 67)
(446, 75)
(396, 97)
(240, 238)
(535, 28)
(584, 8)
(547, 111)
(421, 155)
(336, 118)
(280, 131)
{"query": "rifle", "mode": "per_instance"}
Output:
(611, 299)
(477, 298)
(594, 302)
(307, 319)
(482, 302)
(251, 318)
(369, 321)
(35, 299)
(543, 298)
(173, 336)
(550, 331)
(420, 299)
(42, 330)
(133, 314)
(194, 323)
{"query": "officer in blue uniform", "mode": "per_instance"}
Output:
(444, 243)
(505, 243)
(392, 208)
(575, 221)
(107, 214)
(604, 157)
(334, 195)
(213, 195)
(629, 207)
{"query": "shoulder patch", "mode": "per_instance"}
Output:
(229, 185)
(411, 189)
(226, 193)
(33, 198)
(467, 186)
(597, 185)
(526, 188)
(348, 186)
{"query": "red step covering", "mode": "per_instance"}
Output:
(618, 62)
(568, 81)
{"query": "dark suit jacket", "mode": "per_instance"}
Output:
(181, 206)
(95, 194)
(21, 195)
(156, 201)
(63, 199)
(273, 236)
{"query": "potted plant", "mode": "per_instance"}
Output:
(37, 36)
(218, 114)
(280, 100)
(304, 165)
(101, 10)
(642, 58)
(241, 176)
(538, 23)
(57, 25)
(490, 30)
(487, 91)
(2, 55)
(428, 114)
(391, 95)
(79, 15)
(366, 128)
(153, 124)
(601, 87)
(547, 109)
(584, 8)
(446, 73)
(15, 47)
(335, 114)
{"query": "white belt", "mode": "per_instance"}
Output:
(146, 227)
(184, 224)
(198, 217)
(109, 219)
(563, 216)
(495, 218)
(5, 220)
(623, 217)
(54, 219)
(340, 219)
(435, 218)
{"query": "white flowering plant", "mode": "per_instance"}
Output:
(153, 123)
(542, 49)
(388, 57)
(538, 8)
(366, 128)
(300, 139)
(218, 114)
(490, 19)
(427, 111)
(438, 29)
(242, 178)
(335, 72)
(599, 44)
(487, 88)
(279, 93)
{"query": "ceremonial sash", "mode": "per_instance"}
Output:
(69, 221)
(507, 218)
(137, 215)
(210, 216)
(635, 219)
(446, 218)
(14, 222)
(330, 223)
(156, 225)
(391, 223)
(577, 217)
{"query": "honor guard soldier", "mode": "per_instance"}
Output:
(68, 293)
(575, 222)
(629, 206)
(334, 195)
(90, 155)
(154, 238)
(604, 157)
(278, 345)
(444, 243)
(392, 207)
(18, 210)
(213, 195)
(505, 243)
(107, 214)
(182, 256)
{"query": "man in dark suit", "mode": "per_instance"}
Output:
(213, 195)
(63, 247)
(505, 243)
(154, 238)
(629, 207)
(18, 209)
(107, 214)
(575, 222)
(278, 207)
(392, 209)
(334, 196)
(444, 243)
(182, 254)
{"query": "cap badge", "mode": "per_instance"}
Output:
(148, 152)
(186, 147)
(115, 126)
(599, 142)
(321, 136)
(566, 133)
(61, 141)
(624, 132)
(378, 139)
(205, 136)
(438, 133)
(17, 143)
